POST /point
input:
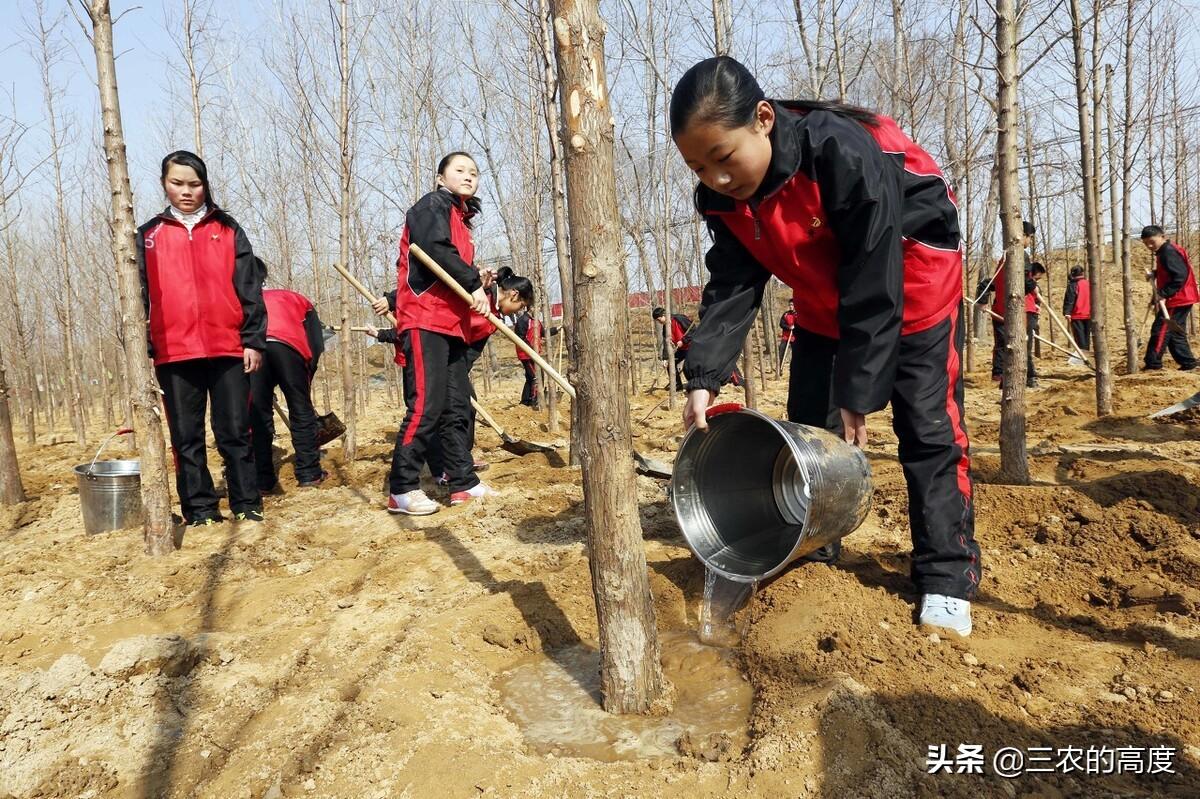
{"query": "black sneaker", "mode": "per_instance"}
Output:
(205, 521)
(1187, 368)
(249, 516)
(316, 481)
(1031, 383)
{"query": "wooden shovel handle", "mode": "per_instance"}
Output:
(445, 277)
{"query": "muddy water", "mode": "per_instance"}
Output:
(555, 699)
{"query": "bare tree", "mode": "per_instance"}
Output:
(631, 675)
(1091, 216)
(158, 526)
(1013, 457)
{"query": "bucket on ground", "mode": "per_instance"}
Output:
(753, 494)
(110, 492)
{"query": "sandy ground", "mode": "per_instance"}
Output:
(340, 652)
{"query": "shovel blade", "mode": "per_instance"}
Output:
(1190, 402)
(650, 467)
(519, 446)
(329, 427)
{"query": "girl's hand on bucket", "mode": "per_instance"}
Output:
(695, 407)
(854, 428)
(251, 360)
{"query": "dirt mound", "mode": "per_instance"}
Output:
(337, 651)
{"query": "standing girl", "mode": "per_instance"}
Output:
(844, 208)
(434, 326)
(530, 330)
(208, 328)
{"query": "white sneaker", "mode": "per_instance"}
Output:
(413, 503)
(946, 614)
(478, 491)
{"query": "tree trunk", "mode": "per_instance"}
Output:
(1014, 461)
(1091, 220)
(349, 447)
(189, 57)
(11, 490)
(1131, 342)
(630, 672)
(748, 381)
(155, 497)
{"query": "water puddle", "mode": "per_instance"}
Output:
(555, 699)
(722, 599)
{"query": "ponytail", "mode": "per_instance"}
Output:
(508, 281)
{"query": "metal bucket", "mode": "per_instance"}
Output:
(110, 494)
(754, 494)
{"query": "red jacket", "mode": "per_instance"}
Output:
(1077, 302)
(999, 301)
(787, 327)
(860, 222)
(1173, 276)
(530, 330)
(438, 224)
(292, 320)
(203, 289)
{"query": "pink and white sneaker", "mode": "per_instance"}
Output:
(412, 503)
(478, 491)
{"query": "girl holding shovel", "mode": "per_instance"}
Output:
(843, 207)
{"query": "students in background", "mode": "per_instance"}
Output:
(207, 323)
(679, 327)
(294, 346)
(1175, 285)
(1077, 306)
(531, 332)
(787, 331)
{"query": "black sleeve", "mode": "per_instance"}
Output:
(314, 332)
(727, 307)
(389, 335)
(1070, 296)
(783, 325)
(1170, 260)
(983, 289)
(429, 228)
(390, 296)
(141, 262)
(664, 351)
(861, 194)
(1030, 284)
(247, 282)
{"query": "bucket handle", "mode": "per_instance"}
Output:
(121, 432)
(717, 410)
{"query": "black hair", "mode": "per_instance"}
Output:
(189, 159)
(1152, 230)
(1027, 227)
(448, 157)
(721, 91)
(1076, 271)
(1036, 269)
(658, 313)
(510, 282)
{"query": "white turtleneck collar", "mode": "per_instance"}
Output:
(189, 220)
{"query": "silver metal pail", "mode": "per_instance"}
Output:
(110, 494)
(753, 494)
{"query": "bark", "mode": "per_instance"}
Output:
(345, 163)
(11, 489)
(155, 498)
(1091, 217)
(1014, 460)
(631, 676)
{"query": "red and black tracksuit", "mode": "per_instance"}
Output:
(787, 334)
(1174, 282)
(203, 293)
(530, 331)
(294, 345)
(999, 337)
(680, 327)
(434, 327)
(1077, 306)
(861, 224)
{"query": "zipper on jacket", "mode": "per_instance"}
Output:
(753, 206)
